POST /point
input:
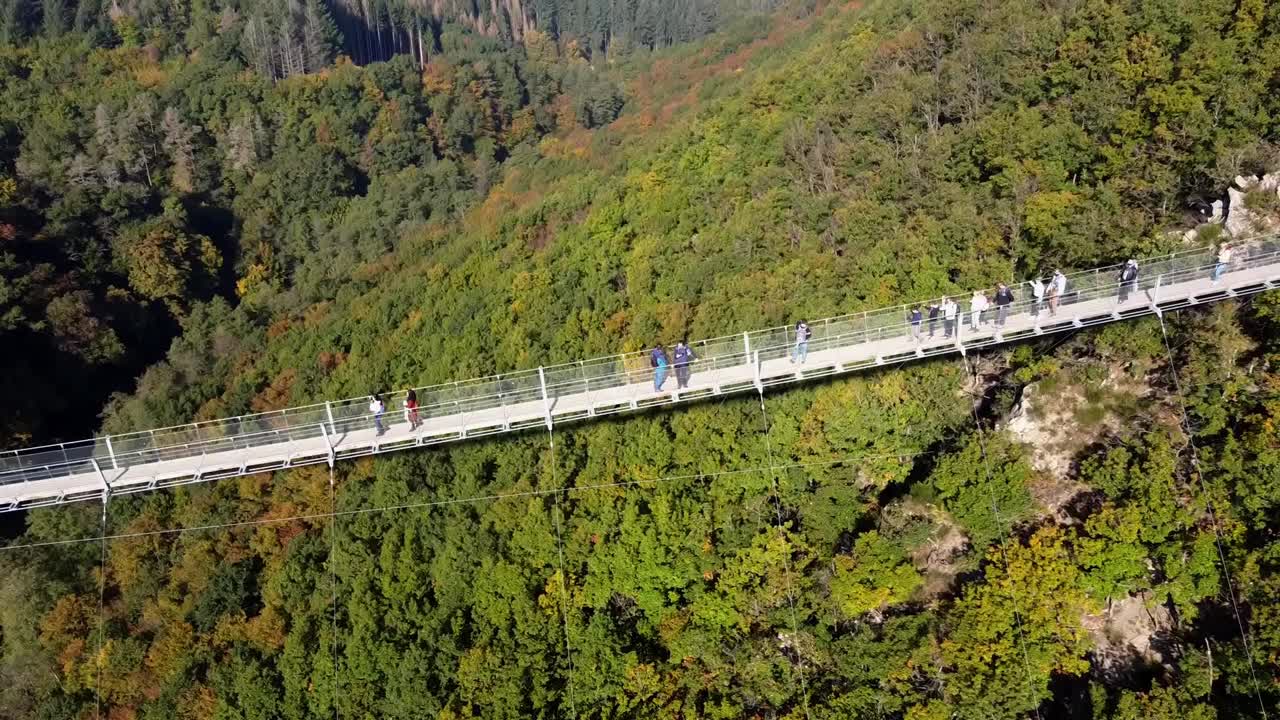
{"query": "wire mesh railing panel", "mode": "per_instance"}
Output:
(569, 387)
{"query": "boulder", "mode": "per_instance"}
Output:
(1244, 182)
(1240, 221)
(1219, 212)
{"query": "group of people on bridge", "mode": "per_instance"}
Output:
(1044, 295)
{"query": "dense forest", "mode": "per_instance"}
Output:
(290, 37)
(1082, 527)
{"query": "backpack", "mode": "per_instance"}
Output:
(1129, 273)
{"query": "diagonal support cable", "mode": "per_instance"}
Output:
(564, 577)
(1004, 531)
(786, 559)
(102, 607)
(333, 586)
(1213, 518)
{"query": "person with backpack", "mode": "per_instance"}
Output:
(1128, 279)
(1004, 298)
(1037, 294)
(949, 311)
(658, 361)
(411, 410)
(683, 355)
(1224, 259)
(977, 305)
(800, 351)
(914, 319)
(933, 318)
(376, 409)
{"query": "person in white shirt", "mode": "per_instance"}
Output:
(1037, 294)
(977, 305)
(1057, 289)
(949, 312)
(376, 409)
(1224, 259)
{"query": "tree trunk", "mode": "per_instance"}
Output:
(422, 53)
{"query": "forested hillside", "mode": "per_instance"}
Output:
(1080, 528)
(289, 37)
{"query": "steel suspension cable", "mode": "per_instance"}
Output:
(1004, 531)
(102, 614)
(1213, 517)
(564, 577)
(333, 588)
(786, 558)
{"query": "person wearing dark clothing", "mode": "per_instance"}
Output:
(683, 355)
(915, 317)
(411, 410)
(1004, 298)
(1128, 279)
(934, 311)
(658, 361)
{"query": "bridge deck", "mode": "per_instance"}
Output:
(311, 436)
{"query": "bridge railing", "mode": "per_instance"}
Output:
(493, 400)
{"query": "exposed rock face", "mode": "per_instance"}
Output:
(1058, 424)
(1241, 221)
(1126, 631)
(1047, 429)
(1038, 427)
(1219, 212)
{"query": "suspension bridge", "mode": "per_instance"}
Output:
(327, 432)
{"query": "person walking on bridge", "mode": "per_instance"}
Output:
(376, 409)
(1224, 259)
(1057, 289)
(977, 305)
(658, 361)
(1037, 295)
(683, 355)
(1004, 298)
(949, 312)
(914, 319)
(411, 410)
(1128, 279)
(933, 318)
(800, 351)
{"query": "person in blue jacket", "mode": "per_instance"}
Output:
(658, 361)
(683, 355)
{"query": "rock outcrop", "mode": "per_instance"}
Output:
(1243, 222)
(1127, 633)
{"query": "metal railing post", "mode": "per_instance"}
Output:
(328, 441)
(746, 345)
(546, 402)
(328, 410)
(755, 369)
(106, 486)
(111, 451)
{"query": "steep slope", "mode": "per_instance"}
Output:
(872, 547)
